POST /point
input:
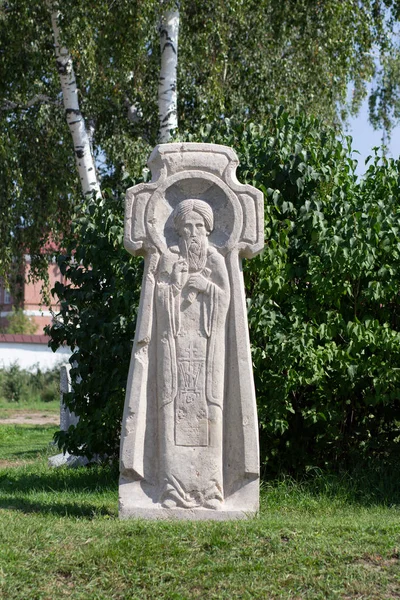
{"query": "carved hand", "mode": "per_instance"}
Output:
(198, 282)
(179, 267)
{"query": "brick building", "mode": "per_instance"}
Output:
(32, 301)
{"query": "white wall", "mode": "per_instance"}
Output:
(29, 356)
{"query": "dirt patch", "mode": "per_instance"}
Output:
(378, 562)
(6, 464)
(30, 418)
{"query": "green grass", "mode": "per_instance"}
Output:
(328, 537)
(8, 408)
(26, 442)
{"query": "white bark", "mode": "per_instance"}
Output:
(76, 123)
(167, 87)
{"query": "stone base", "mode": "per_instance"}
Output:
(59, 460)
(136, 503)
(183, 514)
(71, 461)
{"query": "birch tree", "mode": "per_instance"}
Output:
(235, 59)
(167, 85)
(76, 123)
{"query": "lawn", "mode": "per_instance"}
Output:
(325, 538)
(24, 391)
(8, 409)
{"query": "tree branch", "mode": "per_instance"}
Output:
(37, 99)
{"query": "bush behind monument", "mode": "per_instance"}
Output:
(323, 301)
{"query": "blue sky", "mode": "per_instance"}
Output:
(365, 138)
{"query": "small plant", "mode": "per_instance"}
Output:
(20, 323)
(46, 384)
(13, 383)
(20, 385)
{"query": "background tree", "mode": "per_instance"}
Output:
(76, 123)
(167, 86)
(18, 323)
(37, 173)
(235, 59)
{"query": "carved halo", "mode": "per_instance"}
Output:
(228, 217)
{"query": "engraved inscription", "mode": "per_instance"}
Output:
(191, 414)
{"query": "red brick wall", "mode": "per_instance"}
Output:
(32, 299)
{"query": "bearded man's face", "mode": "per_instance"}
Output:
(192, 227)
(193, 234)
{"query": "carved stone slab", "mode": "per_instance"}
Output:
(189, 443)
(67, 418)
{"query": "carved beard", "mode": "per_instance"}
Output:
(195, 251)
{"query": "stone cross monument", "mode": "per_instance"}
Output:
(189, 443)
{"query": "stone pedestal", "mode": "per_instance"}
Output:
(189, 444)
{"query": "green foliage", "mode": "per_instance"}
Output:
(242, 58)
(25, 387)
(323, 298)
(97, 320)
(12, 383)
(38, 183)
(323, 301)
(19, 322)
(235, 59)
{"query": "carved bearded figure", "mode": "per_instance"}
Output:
(192, 300)
(189, 436)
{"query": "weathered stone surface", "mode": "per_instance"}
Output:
(67, 418)
(69, 460)
(189, 444)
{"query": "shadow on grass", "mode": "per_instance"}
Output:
(369, 486)
(93, 479)
(87, 482)
(63, 509)
(362, 487)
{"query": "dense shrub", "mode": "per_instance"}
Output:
(20, 385)
(97, 320)
(323, 301)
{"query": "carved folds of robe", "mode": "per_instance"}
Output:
(190, 382)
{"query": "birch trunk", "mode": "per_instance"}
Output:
(76, 123)
(167, 87)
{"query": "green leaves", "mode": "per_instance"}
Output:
(324, 303)
(97, 320)
(237, 59)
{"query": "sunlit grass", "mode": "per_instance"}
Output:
(8, 408)
(26, 442)
(326, 537)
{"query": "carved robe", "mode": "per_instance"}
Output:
(190, 382)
